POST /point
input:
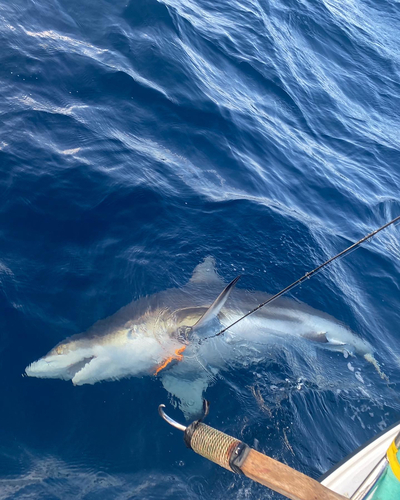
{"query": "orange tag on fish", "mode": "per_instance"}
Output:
(178, 356)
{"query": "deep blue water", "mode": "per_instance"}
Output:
(138, 137)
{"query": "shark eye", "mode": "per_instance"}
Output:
(60, 349)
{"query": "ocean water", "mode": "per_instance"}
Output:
(138, 137)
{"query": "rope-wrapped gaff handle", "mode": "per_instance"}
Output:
(234, 455)
(224, 450)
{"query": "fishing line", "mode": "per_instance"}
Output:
(306, 276)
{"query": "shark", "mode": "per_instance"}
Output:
(167, 335)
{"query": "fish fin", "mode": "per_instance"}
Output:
(346, 349)
(205, 272)
(188, 389)
(217, 305)
(317, 337)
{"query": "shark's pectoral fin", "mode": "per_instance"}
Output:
(205, 272)
(189, 390)
(216, 306)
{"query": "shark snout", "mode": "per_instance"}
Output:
(64, 366)
(47, 368)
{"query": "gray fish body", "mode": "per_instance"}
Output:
(142, 335)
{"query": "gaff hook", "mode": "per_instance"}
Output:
(171, 421)
(235, 456)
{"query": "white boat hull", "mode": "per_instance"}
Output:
(347, 476)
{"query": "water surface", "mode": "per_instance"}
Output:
(138, 137)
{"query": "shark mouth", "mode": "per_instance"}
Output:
(79, 366)
(50, 369)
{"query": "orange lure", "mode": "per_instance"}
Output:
(178, 355)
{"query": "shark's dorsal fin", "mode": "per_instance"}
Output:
(216, 306)
(205, 272)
